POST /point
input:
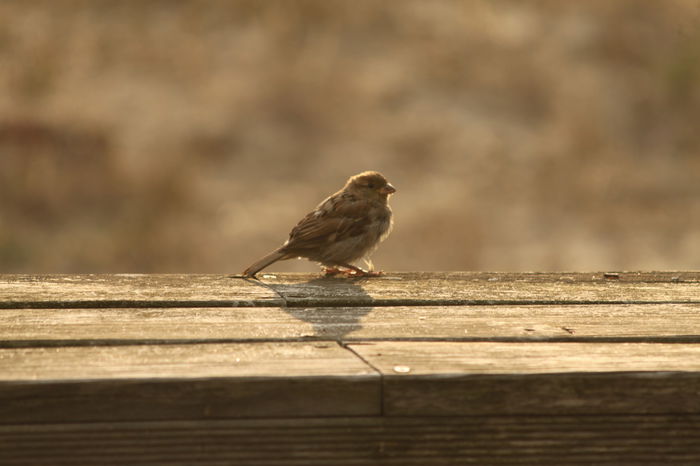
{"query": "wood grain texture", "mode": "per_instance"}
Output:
(456, 378)
(409, 368)
(184, 382)
(132, 290)
(599, 322)
(487, 358)
(41, 327)
(436, 288)
(455, 288)
(536, 440)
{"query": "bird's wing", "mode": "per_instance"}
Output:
(338, 216)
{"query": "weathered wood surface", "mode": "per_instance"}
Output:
(397, 441)
(408, 368)
(137, 290)
(454, 288)
(601, 322)
(184, 382)
(457, 378)
(487, 358)
(132, 290)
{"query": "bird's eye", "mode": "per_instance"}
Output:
(370, 185)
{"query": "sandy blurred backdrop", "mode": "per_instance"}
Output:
(190, 136)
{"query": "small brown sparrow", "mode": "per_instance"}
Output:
(347, 226)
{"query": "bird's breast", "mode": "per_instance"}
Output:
(384, 221)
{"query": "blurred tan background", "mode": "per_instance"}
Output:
(190, 136)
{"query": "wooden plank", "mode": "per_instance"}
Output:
(455, 288)
(184, 382)
(536, 440)
(132, 290)
(457, 378)
(601, 322)
(35, 327)
(428, 288)
(657, 322)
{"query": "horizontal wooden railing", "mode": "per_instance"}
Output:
(407, 368)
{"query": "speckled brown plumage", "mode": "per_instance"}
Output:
(345, 227)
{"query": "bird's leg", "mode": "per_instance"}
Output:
(358, 272)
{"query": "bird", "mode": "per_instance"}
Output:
(343, 228)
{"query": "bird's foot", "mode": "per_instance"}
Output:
(364, 273)
(332, 271)
(350, 271)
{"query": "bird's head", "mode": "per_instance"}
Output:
(371, 185)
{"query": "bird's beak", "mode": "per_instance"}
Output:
(388, 189)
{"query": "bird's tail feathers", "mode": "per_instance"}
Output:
(257, 266)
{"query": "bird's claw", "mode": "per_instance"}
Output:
(351, 272)
(331, 271)
(365, 273)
